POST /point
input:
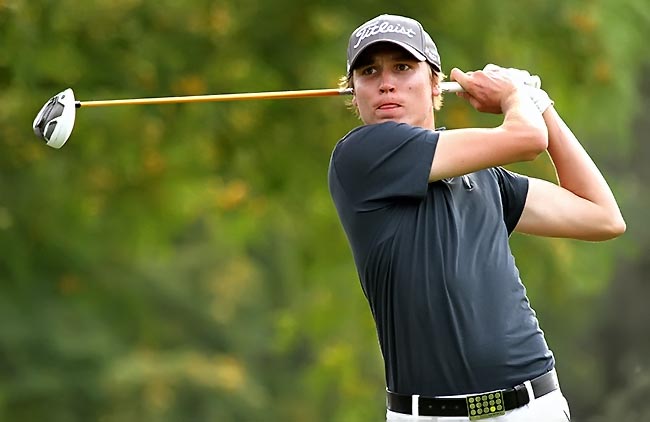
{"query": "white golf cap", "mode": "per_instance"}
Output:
(405, 32)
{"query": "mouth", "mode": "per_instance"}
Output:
(388, 106)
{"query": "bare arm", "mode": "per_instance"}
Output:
(582, 206)
(521, 137)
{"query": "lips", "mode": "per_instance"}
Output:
(388, 106)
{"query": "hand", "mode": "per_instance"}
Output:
(523, 78)
(519, 76)
(486, 90)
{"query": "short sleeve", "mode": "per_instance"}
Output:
(513, 188)
(381, 163)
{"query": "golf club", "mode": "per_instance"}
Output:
(55, 121)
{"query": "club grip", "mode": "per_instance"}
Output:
(534, 81)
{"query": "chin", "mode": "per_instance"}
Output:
(382, 119)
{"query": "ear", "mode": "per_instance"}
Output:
(435, 88)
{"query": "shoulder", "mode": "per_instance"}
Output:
(500, 175)
(381, 135)
(500, 182)
(505, 176)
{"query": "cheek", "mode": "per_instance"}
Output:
(359, 108)
(420, 85)
(425, 89)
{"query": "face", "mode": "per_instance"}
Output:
(391, 85)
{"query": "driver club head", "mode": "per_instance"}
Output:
(55, 120)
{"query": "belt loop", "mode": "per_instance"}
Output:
(531, 393)
(415, 405)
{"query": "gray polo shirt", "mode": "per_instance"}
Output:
(434, 262)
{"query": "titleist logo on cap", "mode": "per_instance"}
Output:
(402, 31)
(382, 28)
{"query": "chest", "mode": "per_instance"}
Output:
(472, 200)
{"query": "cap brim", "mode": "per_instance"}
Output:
(418, 56)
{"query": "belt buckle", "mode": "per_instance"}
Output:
(485, 405)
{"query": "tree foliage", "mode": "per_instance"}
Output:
(185, 262)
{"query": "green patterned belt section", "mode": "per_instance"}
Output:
(486, 405)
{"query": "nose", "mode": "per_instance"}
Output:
(386, 83)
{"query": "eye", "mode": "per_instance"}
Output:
(403, 66)
(369, 70)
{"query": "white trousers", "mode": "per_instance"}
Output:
(551, 407)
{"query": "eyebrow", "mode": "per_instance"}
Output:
(397, 54)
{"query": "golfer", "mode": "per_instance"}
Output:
(428, 214)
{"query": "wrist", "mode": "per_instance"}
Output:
(513, 99)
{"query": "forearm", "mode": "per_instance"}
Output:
(521, 137)
(576, 171)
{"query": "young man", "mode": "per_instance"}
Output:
(428, 215)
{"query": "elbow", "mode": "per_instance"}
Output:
(617, 227)
(611, 229)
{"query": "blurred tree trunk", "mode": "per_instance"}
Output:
(621, 333)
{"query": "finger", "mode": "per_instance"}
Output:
(520, 76)
(523, 73)
(492, 67)
(459, 76)
(474, 103)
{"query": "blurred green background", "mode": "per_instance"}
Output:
(185, 262)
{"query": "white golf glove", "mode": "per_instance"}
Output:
(540, 98)
(531, 83)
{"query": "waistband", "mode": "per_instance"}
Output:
(474, 406)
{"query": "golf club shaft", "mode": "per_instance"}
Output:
(218, 97)
(445, 86)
